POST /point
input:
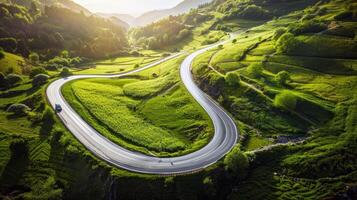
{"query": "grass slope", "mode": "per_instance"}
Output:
(150, 112)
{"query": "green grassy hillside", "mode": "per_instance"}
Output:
(164, 120)
(295, 79)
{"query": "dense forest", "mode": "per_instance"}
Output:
(50, 30)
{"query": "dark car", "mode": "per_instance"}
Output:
(58, 108)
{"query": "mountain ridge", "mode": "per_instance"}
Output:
(156, 15)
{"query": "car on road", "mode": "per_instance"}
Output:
(58, 108)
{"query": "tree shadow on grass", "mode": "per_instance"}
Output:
(16, 166)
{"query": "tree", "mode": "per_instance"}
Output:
(34, 58)
(18, 109)
(255, 69)
(282, 77)
(65, 54)
(234, 41)
(13, 79)
(236, 162)
(37, 70)
(65, 72)
(232, 79)
(48, 115)
(39, 80)
(285, 100)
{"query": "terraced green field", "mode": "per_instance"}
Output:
(150, 112)
(121, 64)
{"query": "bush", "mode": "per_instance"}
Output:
(37, 70)
(34, 58)
(8, 44)
(236, 162)
(254, 12)
(48, 115)
(309, 26)
(255, 69)
(278, 33)
(232, 79)
(200, 69)
(2, 54)
(345, 15)
(285, 100)
(65, 72)
(13, 79)
(341, 31)
(18, 109)
(40, 79)
(282, 77)
(3, 82)
(287, 43)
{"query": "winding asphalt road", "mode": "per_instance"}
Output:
(223, 141)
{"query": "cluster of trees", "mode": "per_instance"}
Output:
(24, 30)
(243, 9)
(162, 33)
(9, 80)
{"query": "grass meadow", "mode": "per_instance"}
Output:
(150, 112)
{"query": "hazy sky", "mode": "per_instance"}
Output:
(133, 7)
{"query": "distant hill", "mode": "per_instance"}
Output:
(153, 16)
(69, 4)
(123, 20)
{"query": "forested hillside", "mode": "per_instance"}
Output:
(215, 16)
(50, 30)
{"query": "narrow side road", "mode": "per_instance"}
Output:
(224, 139)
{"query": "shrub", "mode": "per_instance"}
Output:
(200, 69)
(285, 100)
(282, 77)
(287, 43)
(2, 54)
(236, 162)
(341, 31)
(254, 12)
(65, 72)
(9, 44)
(309, 26)
(48, 115)
(12, 79)
(18, 109)
(278, 33)
(34, 58)
(37, 70)
(255, 69)
(3, 82)
(40, 79)
(345, 15)
(232, 79)
(136, 66)
(234, 41)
